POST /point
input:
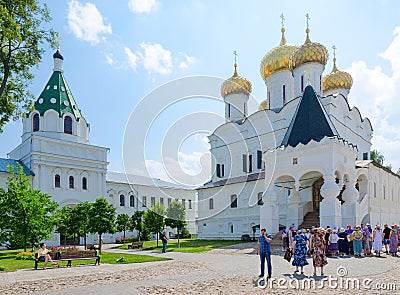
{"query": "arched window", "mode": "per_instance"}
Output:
(57, 181)
(84, 183)
(132, 201)
(35, 122)
(122, 200)
(68, 125)
(71, 182)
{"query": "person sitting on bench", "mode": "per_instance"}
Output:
(44, 255)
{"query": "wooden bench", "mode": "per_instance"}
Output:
(136, 245)
(72, 255)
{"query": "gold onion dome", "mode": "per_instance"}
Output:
(337, 79)
(263, 105)
(308, 52)
(236, 84)
(277, 59)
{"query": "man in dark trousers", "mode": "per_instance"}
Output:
(264, 250)
(164, 241)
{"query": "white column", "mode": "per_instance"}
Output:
(294, 211)
(350, 214)
(330, 207)
(269, 218)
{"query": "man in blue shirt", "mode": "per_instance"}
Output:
(264, 250)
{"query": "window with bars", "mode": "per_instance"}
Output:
(211, 204)
(132, 201)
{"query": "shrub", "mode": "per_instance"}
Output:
(185, 234)
(25, 256)
(2, 268)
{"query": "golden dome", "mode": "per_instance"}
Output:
(337, 79)
(308, 52)
(235, 84)
(277, 59)
(263, 105)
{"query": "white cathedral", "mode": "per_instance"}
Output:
(302, 158)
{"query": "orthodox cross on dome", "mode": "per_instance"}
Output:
(334, 51)
(308, 19)
(282, 20)
(235, 65)
(307, 73)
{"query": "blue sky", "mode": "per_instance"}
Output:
(116, 52)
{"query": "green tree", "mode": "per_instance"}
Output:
(23, 32)
(29, 212)
(80, 214)
(64, 222)
(122, 223)
(377, 157)
(102, 218)
(176, 217)
(154, 220)
(136, 223)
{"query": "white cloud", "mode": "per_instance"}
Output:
(375, 93)
(189, 60)
(86, 22)
(156, 59)
(109, 59)
(142, 6)
(189, 169)
(132, 58)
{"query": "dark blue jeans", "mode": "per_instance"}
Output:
(164, 247)
(263, 257)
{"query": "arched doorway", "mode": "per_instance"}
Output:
(316, 193)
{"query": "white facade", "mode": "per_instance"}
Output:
(329, 173)
(71, 170)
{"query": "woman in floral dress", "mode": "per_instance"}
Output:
(300, 251)
(357, 241)
(318, 253)
(394, 240)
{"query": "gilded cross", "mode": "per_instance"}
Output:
(282, 20)
(235, 54)
(334, 51)
(308, 18)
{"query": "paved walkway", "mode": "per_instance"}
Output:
(232, 270)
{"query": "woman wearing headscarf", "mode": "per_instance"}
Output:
(378, 237)
(394, 240)
(333, 243)
(357, 241)
(317, 249)
(366, 239)
(349, 232)
(300, 251)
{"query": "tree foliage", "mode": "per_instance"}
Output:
(64, 221)
(80, 214)
(23, 33)
(29, 212)
(176, 217)
(377, 157)
(154, 220)
(122, 222)
(136, 223)
(102, 218)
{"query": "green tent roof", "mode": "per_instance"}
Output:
(57, 96)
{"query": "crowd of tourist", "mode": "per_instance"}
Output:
(318, 242)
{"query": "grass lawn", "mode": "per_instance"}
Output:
(187, 245)
(10, 264)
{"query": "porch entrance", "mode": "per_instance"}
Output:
(316, 193)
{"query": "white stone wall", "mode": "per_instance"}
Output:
(275, 88)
